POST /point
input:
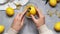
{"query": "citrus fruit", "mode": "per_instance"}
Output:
(30, 10)
(57, 26)
(33, 10)
(10, 11)
(53, 3)
(1, 28)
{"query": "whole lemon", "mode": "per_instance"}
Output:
(33, 10)
(10, 11)
(1, 28)
(57, 26)
(53, 3)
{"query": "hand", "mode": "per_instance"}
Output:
(18, 21)
(40, 20)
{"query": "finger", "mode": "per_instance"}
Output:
(22, 21)
(23, 13)
(38, 12)
(33, 18)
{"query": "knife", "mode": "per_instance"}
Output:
(46, 1)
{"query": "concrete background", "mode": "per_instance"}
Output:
(29, 26)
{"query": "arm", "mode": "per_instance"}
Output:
(17, 24)
(11, 31)
(40, 23)
(44, 30)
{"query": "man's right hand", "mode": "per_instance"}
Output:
(41, 19)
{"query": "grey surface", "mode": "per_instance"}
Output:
(29, 26)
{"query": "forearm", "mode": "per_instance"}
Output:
(11, 31)
(44, 30)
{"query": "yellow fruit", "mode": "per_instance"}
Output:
(1, 28)
(10, 11)
(33, 10)
(57, 26)
(53, 2)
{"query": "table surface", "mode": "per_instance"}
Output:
(29, 26)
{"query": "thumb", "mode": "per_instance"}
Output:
(33, 18)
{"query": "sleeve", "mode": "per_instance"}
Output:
(44, 30)
(11, 31)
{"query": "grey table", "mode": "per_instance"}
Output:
(29, 26)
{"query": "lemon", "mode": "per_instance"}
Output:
(57, 26)
(1, 28)
(33, 10)
(53, 2)
(10, 11)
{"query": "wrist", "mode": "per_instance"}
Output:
(16, 29)
(12, 31)
(40, 26)
(43, 28)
